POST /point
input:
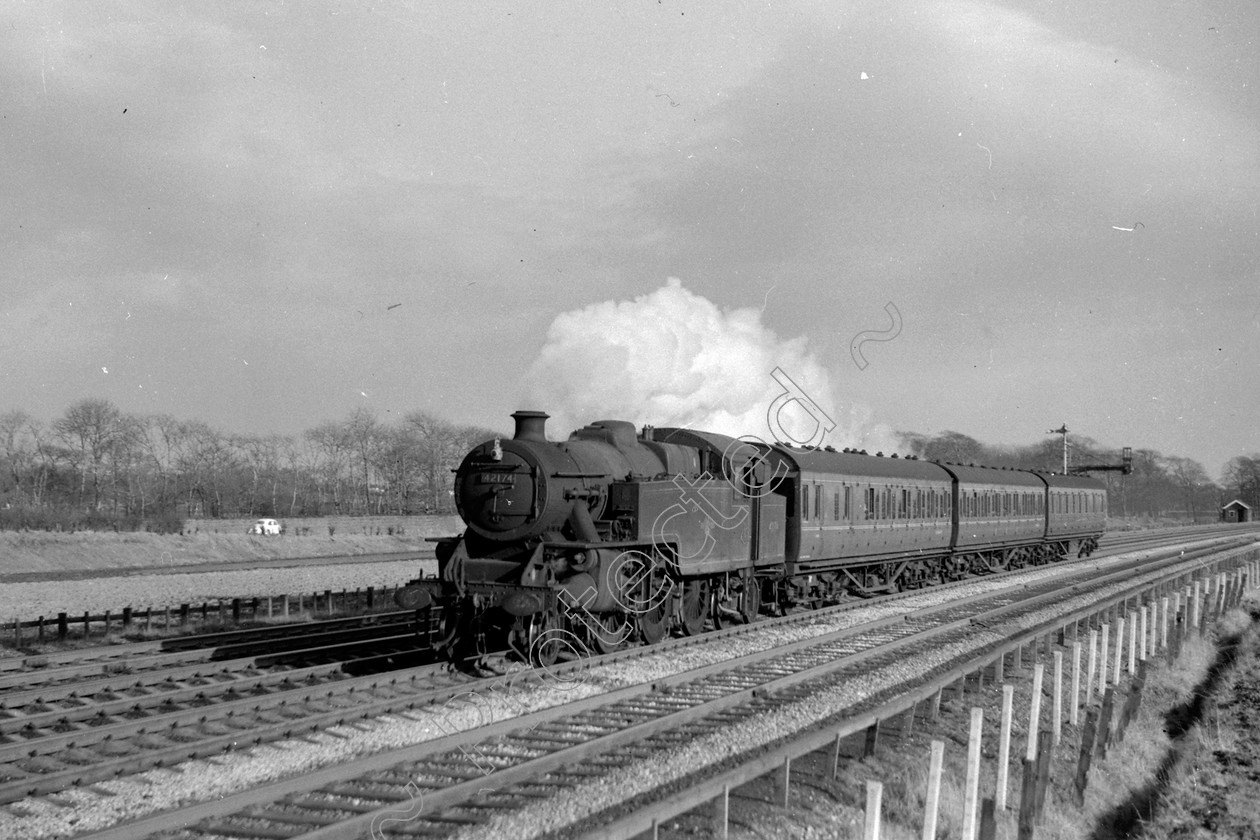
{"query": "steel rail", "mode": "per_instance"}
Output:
(959, 624)
(648, 810)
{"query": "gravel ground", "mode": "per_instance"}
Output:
(784, 721)
(27, 601)
(81, 810)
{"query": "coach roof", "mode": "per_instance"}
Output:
(852, 463)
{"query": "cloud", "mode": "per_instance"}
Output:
(673, 358)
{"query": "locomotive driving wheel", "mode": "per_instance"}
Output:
(655, 604)
(546, 637)
(611, 632)
(653, 622)
(695, 606)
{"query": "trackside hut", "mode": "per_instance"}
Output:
(1236, 511)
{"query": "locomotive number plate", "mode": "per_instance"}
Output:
(495, 478)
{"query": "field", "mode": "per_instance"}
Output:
(216, 541)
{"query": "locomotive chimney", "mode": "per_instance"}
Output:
(530, 425)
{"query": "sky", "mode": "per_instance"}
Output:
(987, 217)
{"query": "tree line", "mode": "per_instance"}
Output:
(98, 466)
(1159, 486)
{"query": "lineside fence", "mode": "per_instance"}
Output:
(64, 626)
(1091, 669)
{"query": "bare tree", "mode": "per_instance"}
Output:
(1242, 474)
(92, 430)
(1190, 478)
(19, 444)
(366, 437)
(332, 447)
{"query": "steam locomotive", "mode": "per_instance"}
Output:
(613, 538)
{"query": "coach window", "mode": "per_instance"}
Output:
(848, 503)
(805, 501)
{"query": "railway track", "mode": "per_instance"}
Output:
(467, 780)
(107, 712)
(28, 673)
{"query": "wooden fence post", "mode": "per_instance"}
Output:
(1004, 746)
(1073, 712)
(1133, 637)
(1034, 711)
(1086, 753)
(932, 799)
(1144, 631)
(1102, 739)
(872, 740)
(1056, 704)
(1028, 799)
(1119, 662)
(988, 819)
(1102, 659)
(972, 792)
(1090, 668)
(1044, 753)
(1132, 702)
(874, 795)
(784, 783)
(722, 812)
(1194, 607)
(1163, 623)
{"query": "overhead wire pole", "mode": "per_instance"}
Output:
(1062, 430)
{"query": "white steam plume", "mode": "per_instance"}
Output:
(672, 358)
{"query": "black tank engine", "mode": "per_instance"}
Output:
(612, 537)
